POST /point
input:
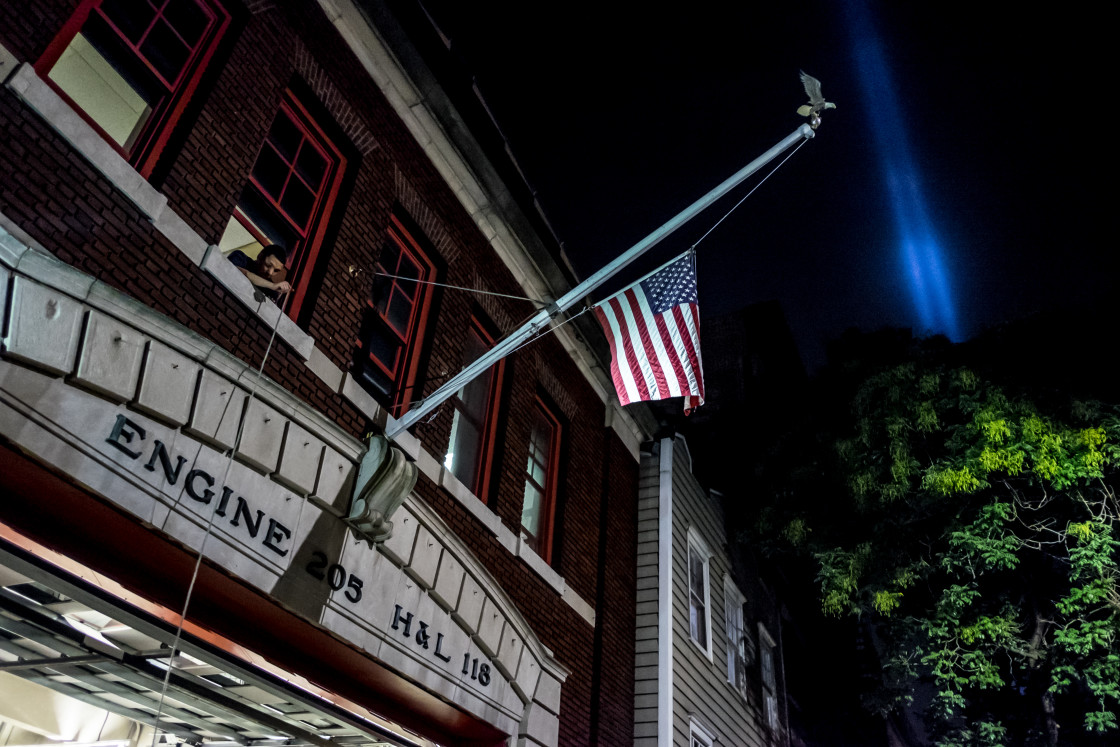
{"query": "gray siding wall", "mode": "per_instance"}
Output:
(700, 685)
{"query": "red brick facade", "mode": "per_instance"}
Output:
(68, 207)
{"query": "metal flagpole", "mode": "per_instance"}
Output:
(542, 318)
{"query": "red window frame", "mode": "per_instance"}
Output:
(541, 541)
(307, 232)
(144, 151)
(487, 427)
(403, 369)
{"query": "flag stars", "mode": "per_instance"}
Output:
(652, 328)
(673, 285)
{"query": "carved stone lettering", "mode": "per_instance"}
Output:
(128, 437)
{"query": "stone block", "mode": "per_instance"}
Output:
(449, 581)
(579, 604)
(414, 655)
(540, 726)
(509, 653)
(490, 628)
(48, 270)
(185, 238)
(528, 674)
(425, 558)
(539, 566)
(548, 692)
(352, 391)
(347, 628)
(8, 62)
(325, 369)
(299, 459)
(480, 510)
(399, 546)
(44, 327)
(262, 436)
(381, 583)
(335, 484)
(217, 410)
(167, 384)
(289, 332)
(428, 466)
(11, 248)
(156, 326)
(110, 358)
(468, 611)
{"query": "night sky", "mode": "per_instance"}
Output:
(980, 144)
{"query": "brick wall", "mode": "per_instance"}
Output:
(61, 202)
(68, 207)
(26, 28)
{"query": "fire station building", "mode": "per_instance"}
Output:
(202, 525)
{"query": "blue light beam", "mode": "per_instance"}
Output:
(920, 251)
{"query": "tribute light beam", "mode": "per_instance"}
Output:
(919, 248)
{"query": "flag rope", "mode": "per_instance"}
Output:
(174, 650)
(748, 194)
(692, 249)
(543, 331)
(459, 287)
(538, 333)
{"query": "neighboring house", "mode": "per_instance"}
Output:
(709, 659)
(155, 408)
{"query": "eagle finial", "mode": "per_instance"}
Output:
(816, 104)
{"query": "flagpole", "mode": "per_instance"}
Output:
(508, 344)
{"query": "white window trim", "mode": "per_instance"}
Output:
(733, 595)
(695, 730)
(697, 544)
(766, 640)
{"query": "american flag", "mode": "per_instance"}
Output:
(654, 331)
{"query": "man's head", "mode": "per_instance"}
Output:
(270, 262)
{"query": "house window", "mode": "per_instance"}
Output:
(539, 506)
(289, 197)
(766, 648)
(473, 425)
(130, 66)
(736, 637)
(699, 618)
(698, 736)
(396, 314)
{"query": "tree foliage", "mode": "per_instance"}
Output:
(977, 529)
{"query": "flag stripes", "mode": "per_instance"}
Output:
(653, 331)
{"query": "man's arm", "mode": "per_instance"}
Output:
(241, 261)
(280, 287)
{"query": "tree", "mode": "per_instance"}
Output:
(977, 529)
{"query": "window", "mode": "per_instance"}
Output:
(736, 638)
(290, 194)
(699, 619)
(769, 679)
(130, 66)
(396, 314)
(698, 736)
(539, 506)
(473, 426)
